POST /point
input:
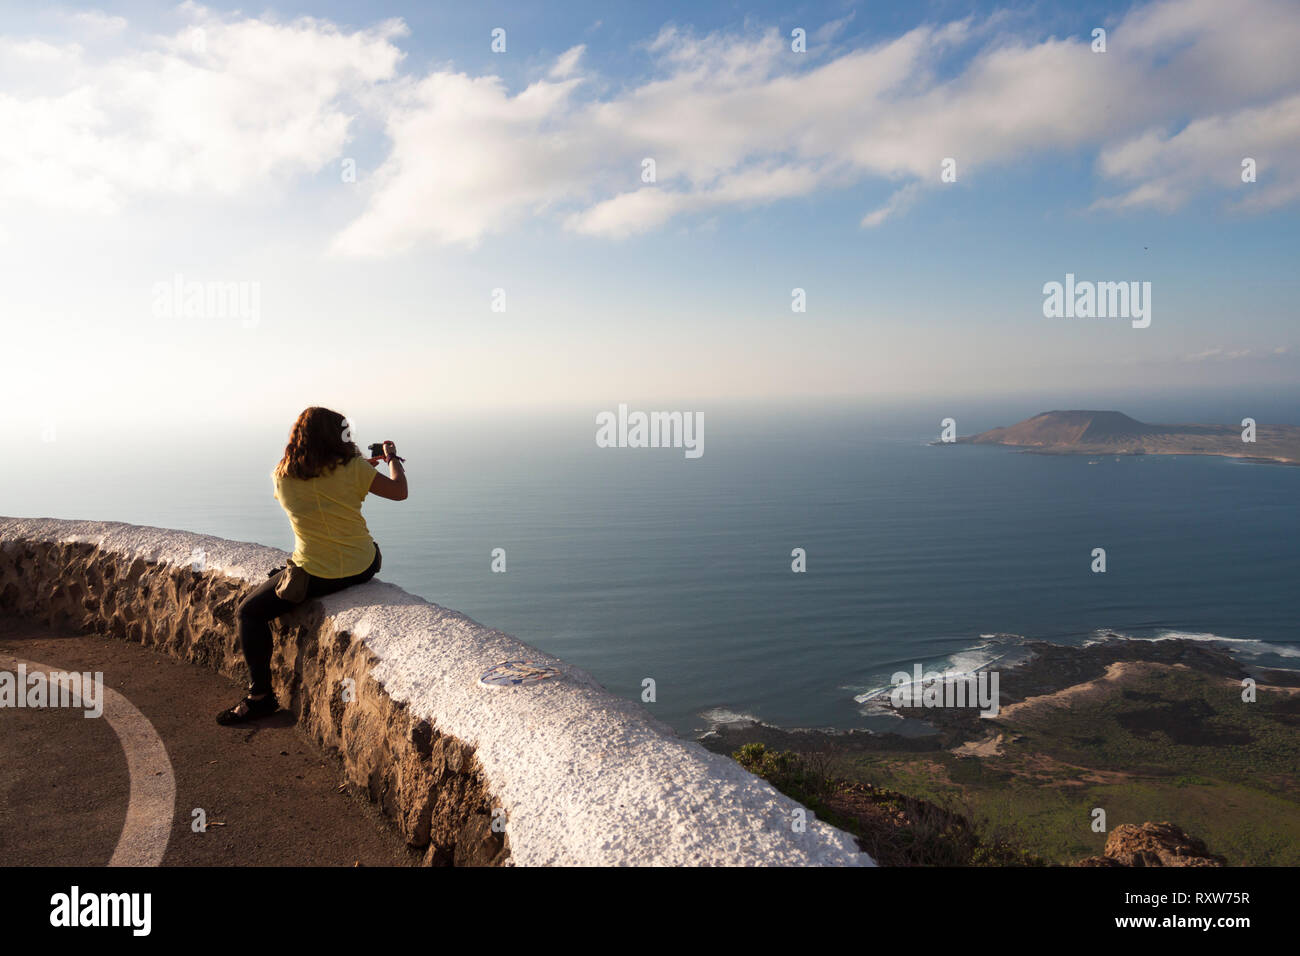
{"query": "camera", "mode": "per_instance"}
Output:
(377, 450)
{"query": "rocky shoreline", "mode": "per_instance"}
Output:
(1096, 452)
(1049, 669)
(1155, 732)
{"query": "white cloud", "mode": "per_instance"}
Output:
(646, 208)
(1169, 170)
(1188, 88)
(217, 107)
(468, 157)
(739, 119)
(96, 21)
(628, 213)
(900, 200)
(567, 63)
(1221, 354)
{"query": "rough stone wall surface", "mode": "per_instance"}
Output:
(577, 775)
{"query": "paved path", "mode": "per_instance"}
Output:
(86, 791)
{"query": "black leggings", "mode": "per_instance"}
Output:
(262, 606)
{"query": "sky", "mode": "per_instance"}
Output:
(215, 214)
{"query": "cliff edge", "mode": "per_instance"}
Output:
(561, 772)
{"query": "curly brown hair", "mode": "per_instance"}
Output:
(316, 444)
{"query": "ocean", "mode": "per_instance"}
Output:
(644, 563)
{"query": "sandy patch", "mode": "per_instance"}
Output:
(988, 747)
(1116, 674)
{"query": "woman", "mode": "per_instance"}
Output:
(320, 482)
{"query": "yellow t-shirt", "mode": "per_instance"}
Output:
(331, 539)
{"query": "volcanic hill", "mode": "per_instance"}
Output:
(1082, 432)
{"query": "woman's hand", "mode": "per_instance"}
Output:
(394, 486)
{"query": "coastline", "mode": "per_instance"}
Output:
(1253, 459)
(1165, 730)
(1047, 669)
(1096, 452)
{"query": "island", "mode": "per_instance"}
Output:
(1081, 432)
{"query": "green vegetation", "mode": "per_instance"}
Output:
(897, 830)
(1169, 744)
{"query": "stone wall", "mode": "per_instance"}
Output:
(572, 774)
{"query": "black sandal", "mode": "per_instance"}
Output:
(253, 709)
